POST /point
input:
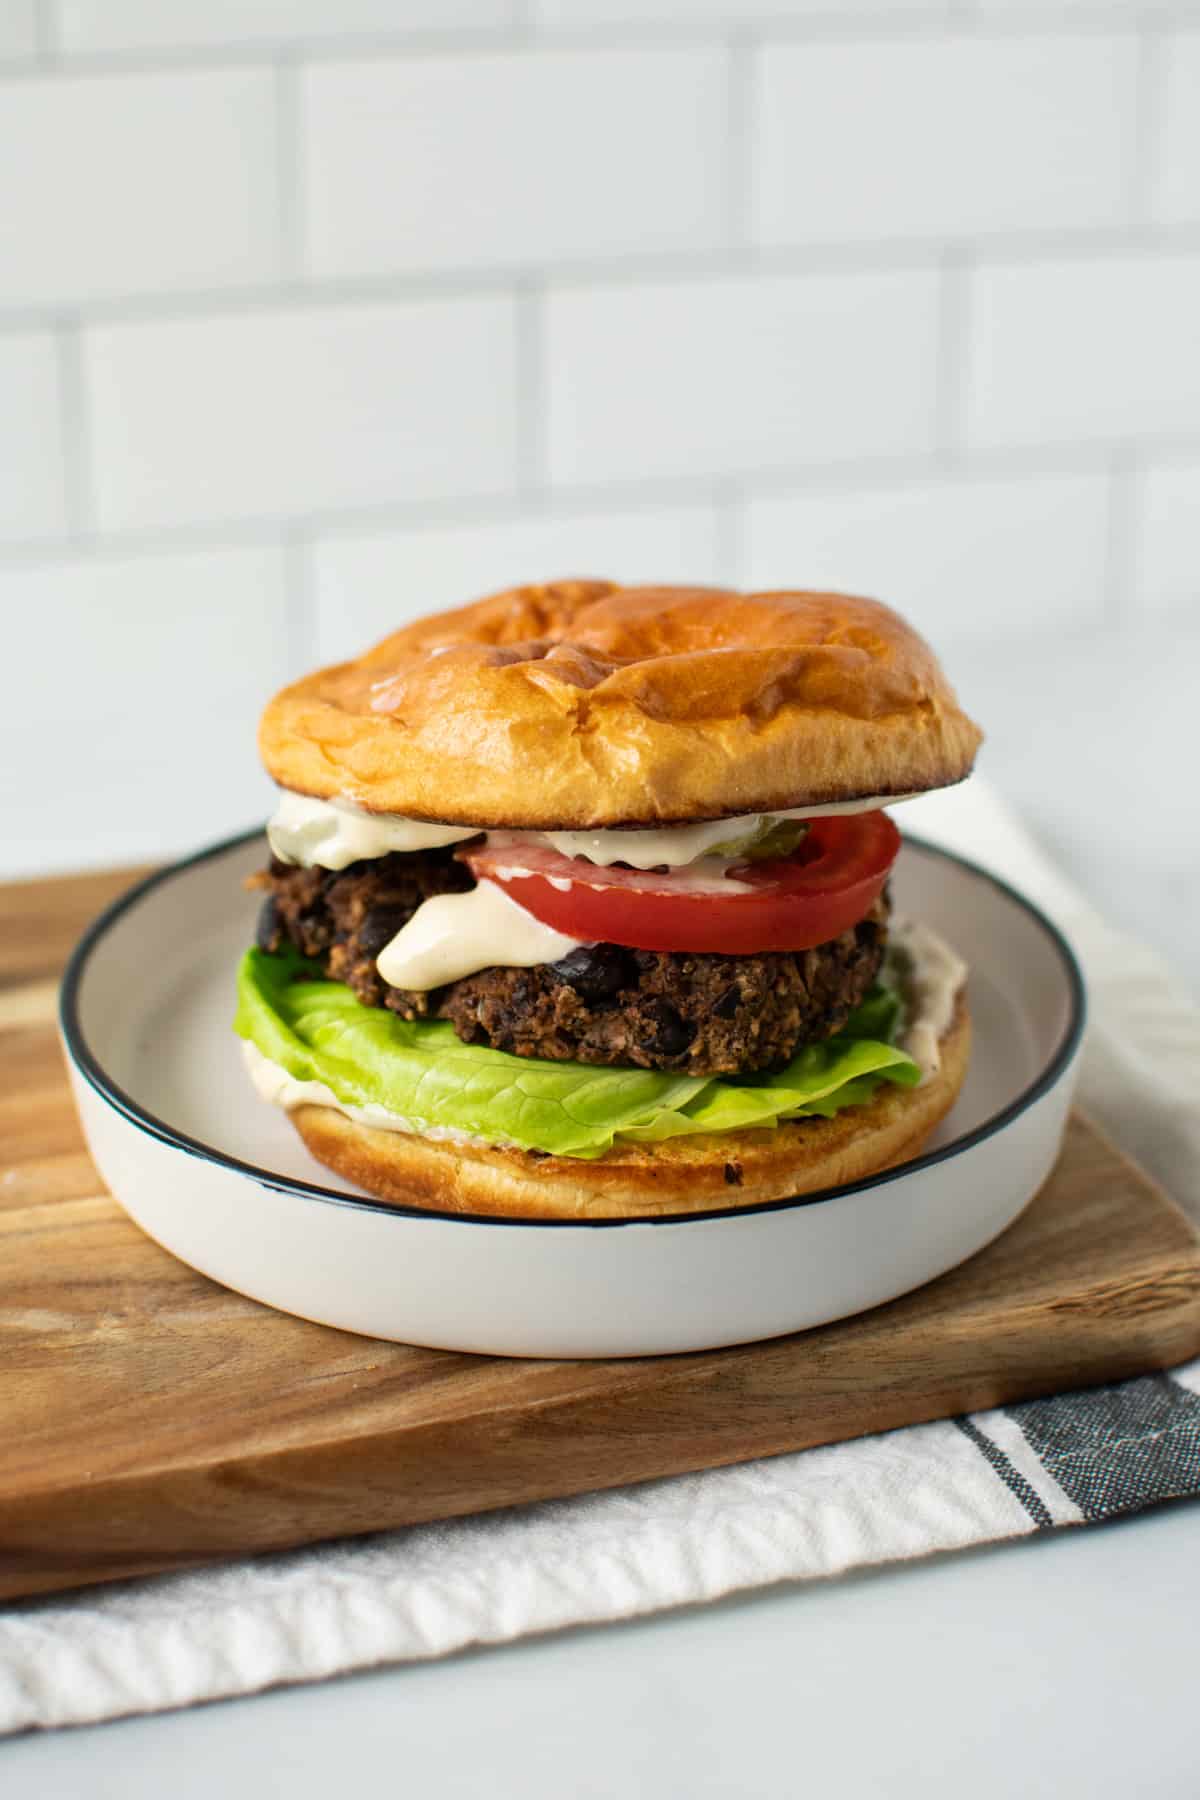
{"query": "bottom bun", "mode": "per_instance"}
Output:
(705, 1173)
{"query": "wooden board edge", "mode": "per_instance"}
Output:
(53, 1542)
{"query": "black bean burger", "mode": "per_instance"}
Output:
(578, 903)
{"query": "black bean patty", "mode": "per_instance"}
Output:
(654, 1009)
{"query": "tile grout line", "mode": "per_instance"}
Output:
(583, 500)
(174, 58)
(927, 24)
(615, 273)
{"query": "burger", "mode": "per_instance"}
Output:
(578, 904)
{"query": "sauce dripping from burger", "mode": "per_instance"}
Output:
(453, 935)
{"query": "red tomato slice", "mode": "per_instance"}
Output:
(791, 903)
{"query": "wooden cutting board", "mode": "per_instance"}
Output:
(152, 1420)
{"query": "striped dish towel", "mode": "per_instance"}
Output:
(1074, 1458)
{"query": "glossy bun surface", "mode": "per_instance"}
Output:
(581, 703)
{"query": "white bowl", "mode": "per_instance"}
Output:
(224, 1182)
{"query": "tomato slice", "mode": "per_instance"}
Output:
(791, 903)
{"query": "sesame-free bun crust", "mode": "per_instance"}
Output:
(585, 704)
(630, 1181)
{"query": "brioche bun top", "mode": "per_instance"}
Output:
(584, 704)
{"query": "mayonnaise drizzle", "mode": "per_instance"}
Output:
(931, 975)
(453, 935)
(332, 833)
(673, 846)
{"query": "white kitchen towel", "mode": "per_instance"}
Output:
(422, 1592)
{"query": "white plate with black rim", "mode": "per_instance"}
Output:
(221, 1179)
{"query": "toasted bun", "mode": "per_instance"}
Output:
(680, 1175)
(584, 704)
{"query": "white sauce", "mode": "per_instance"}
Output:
(672, 846)
(333, 833)
(454, 935)
(274, 1085)
(934, 975)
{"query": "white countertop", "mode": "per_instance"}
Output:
(1058, 1666)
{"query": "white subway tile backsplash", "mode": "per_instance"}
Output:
(370, 583)
(1175, 195)
(288, 411)
(116, 184)
(259, 265)
(1167, 536)
(968, 560)
(154, 671)
(933, 137)
(719, 376)
(32, 472)
(104, 25)
(513, 157)
(18, 30)
(1086, 349)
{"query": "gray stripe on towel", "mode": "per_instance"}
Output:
(1012, 1478)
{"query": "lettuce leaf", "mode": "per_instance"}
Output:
(318, 1031)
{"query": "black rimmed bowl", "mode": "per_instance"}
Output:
(221, 1179)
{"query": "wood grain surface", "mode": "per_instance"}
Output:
(152, 1420)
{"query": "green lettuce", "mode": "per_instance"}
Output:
(318, 1031)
